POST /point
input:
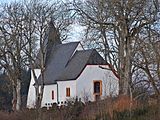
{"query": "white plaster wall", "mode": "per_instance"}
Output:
(82, 87)
(31, 98)
(93, 72)
(47, 95)
(62, 85)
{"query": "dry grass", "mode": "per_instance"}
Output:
(121, 108)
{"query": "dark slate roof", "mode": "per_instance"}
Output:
(64, 63)
(78, 63)
(57, 61)
(75, 65)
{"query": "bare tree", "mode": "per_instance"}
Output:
(147, 58)
(115, 25)
(11, 49)
(50, 24)
(24, 26)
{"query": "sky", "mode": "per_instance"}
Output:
(76, 32)
(5, 1)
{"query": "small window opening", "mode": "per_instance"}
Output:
(52, 94)
(67, 92)
(98, 87)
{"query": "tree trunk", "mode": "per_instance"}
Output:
(124, 57)
(18, 90)
(158, 104)
(37, 96)
(14, 99)
(127, 67)
(121, 62)
(41, 95)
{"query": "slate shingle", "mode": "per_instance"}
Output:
(65, 63)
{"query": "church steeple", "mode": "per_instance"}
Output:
(53, 35)
(53, 39)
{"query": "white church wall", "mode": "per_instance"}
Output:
(85, 82)
(49, 95)
(31, 98)
(62, 86)
(83, 87)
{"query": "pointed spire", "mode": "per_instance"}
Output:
(53, 35)
(53, 40)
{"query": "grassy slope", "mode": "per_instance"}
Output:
(92, 111)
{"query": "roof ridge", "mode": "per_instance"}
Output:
(80, 51)
(58, 45)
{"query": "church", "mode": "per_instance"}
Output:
(72, 72)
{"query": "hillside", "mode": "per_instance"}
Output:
(108, 109)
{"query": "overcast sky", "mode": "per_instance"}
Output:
(5, 1)
(76, 32)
